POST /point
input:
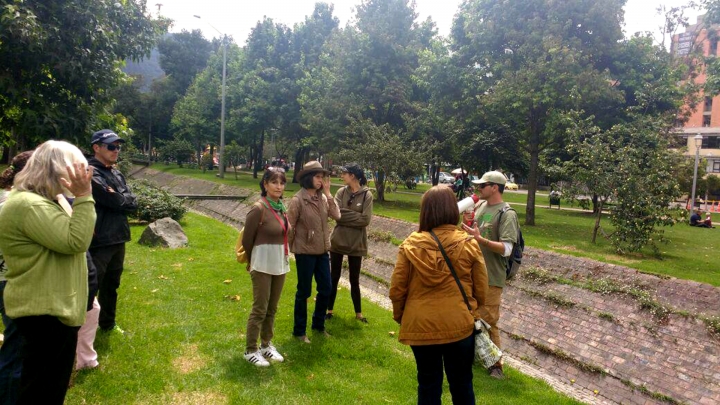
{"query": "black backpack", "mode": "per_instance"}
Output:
(515, 259)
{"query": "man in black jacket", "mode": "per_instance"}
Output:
(113, 202)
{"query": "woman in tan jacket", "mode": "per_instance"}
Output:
(309, 238)
(427, 301)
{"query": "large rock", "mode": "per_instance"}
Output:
(164, 232)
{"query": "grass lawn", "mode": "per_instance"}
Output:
(692, 253)
(185, 313)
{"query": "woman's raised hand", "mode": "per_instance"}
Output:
(79, 179)
(326, 186)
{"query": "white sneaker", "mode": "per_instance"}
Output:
(256, 358)
(272, 354)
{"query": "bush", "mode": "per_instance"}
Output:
(155, 203)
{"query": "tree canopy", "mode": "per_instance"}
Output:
(59, 61)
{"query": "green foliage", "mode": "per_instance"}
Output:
(383, 151)
(178, 150)
(155, 203)
(59, 61)
(632, 165)
(183, 55)
(206, 162)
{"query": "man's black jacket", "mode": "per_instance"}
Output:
(113, 202)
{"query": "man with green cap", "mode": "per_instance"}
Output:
(496, 234)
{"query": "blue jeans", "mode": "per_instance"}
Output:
(307, 267)
(10, 360)
(457, 358)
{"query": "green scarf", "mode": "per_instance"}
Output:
(277, 206)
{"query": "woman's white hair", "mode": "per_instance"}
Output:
(46, 166)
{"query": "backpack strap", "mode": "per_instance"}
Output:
(505, 209)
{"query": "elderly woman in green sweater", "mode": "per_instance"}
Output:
(44, 247)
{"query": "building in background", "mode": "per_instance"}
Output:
(705, 119)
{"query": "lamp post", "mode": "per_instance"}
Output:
(698, 144)
(221, 148)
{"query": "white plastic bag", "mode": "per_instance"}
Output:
(486, 352)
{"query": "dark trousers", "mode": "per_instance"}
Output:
(309, 266)
(109, 263)
(354, 262)
(457, 357)
(10, 357)
(47, 359)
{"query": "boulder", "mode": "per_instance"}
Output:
(165, 232)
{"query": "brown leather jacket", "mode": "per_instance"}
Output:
(308, 216)
(426, 299)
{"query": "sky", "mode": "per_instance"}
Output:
(237, 17)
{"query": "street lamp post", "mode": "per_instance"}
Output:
(698, 144)
(221, 148)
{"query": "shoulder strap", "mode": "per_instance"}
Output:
(452, 270)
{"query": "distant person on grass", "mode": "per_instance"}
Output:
(308, 213)
(496, 242)
(434, 318)
(10, 359)
(44, 247)
(696, 220)
(350, 234)
(114, 201)
(265, 240)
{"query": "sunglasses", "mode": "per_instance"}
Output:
(113, 148)
(483, 185)
(275, 169)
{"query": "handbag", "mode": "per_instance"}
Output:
(240, 253)
(486, 352)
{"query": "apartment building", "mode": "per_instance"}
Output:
(705, 119)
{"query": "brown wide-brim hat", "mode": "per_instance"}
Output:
(311, 167)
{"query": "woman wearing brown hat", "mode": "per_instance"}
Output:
(350, 234)
(309, 240)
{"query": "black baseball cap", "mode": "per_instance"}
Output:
(105, 136)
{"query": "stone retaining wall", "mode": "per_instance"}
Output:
(617, 334)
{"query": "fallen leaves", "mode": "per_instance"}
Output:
(227, 281)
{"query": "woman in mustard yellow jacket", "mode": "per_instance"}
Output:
(427, 301)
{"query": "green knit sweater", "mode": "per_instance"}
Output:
(44, 248)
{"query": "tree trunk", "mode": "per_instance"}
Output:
(298, 163)
(199, 151)
(259, 155)
(434, 174)
(598, 216)
(380, 185)
(532, 185)
(595, 202)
